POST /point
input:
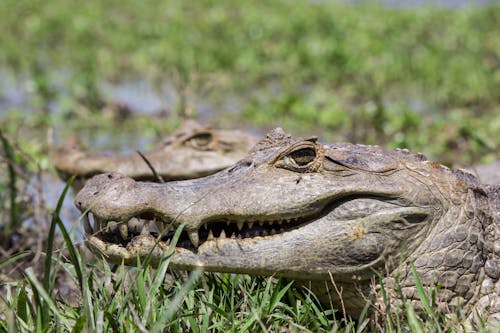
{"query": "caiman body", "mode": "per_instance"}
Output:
(191, 151)
(296, 208)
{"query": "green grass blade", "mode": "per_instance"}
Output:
(160, 274)
(421, 292)
(112, 322)
(250, 322)
(277, 295)
(176, 302)
(22, 304)
(413, 320)
(50, 241)
(80, 324)
(363, 321)
(12, 258)
(141, 289)
(73, 254)
(218, 310)
(30, 275)
(67, 239)
(9, 155)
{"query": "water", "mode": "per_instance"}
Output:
(140, 96)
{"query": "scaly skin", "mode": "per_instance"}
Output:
(191, 151)
(304, 210)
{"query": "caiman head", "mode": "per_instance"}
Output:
(304, 210)
(191, 151)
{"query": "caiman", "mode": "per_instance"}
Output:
(315, 213)
(191, 151)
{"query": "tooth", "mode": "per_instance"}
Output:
(270, 222)
(280, 222)
(145, 228)
(193, 236)
(228, 223)
(112, 225)
(86, 225)
(222, 234)
(123, 227)
(205, 226)
(250, 225)
(135, 225)
(153, 227)
(282, 229)
(261, 223)
(273, 231)
(264, 232)
(240, 225)
(233, 236)
(210, 235)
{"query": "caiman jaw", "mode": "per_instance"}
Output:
(244, 228)
(124, 231)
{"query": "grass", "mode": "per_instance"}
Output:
(422, 78)
(12, 176)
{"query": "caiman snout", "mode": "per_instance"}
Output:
(118, 208)
(107, 185)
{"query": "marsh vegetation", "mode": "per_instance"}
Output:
(121, 74)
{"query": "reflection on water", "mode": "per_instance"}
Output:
(13, 93)
(140, 96)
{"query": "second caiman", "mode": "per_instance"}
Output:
(191, 151)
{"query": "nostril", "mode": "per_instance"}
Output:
(79, 203)
(96, 193)
(246, 163)
(110, 176)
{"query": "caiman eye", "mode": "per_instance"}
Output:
(300, 159)
(200, 141)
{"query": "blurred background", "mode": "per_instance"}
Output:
(123, 74)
